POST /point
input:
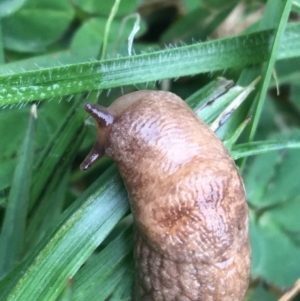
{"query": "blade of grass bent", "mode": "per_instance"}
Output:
(234, 104)
(207, 95)
(62, 252)
(12, 235)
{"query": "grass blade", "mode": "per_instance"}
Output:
(260, 147)
(12, 235)
(62, 252)
(96, 272)
(52, 155)
(170, 63)
(271, 62)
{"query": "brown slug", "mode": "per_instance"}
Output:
(186, 195)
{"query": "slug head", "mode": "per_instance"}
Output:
(104, 119)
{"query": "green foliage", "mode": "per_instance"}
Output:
(37, 24)
(67, 235)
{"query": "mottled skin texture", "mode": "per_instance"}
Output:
(187, 199)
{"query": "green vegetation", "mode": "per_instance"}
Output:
(67, 235)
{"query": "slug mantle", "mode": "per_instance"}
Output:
(186, 196)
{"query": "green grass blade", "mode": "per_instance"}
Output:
(62, 252)
(103, 265)
(48, 210)
(229, 143)
(278, 39)
(52, 155)
(110, 283)
(123, 291)
(12, 235)
(1, 45)
(233, 105)
(202, 100)
(260, 147)
(235, 52)
(111, 16)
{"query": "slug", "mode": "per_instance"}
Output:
(186, 195)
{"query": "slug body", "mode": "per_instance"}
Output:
(186, 196)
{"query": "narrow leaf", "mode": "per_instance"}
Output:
(96, 271)
(52, 155)
(234, 104)
(8, 7)
(278, 39)
(62, 252)
(170, 63)
(260, 147)
(12, 235)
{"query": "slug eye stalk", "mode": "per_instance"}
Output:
(104, 119)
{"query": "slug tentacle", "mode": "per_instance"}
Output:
(186, 196)
(101, 114)
(104, 119)
(96, 153)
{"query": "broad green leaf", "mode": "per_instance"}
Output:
(216, 4)
(197, 25)
(296, 6)
(258, 176)
(13, 229)
(50, 114)
(286, 216)
(275, 257)
(103, 8)
(190, 5)
(261, 293)
(271, 178)
(50, 19)
(90, 35)
(8, 7)
(11, 136)
(287, 71)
